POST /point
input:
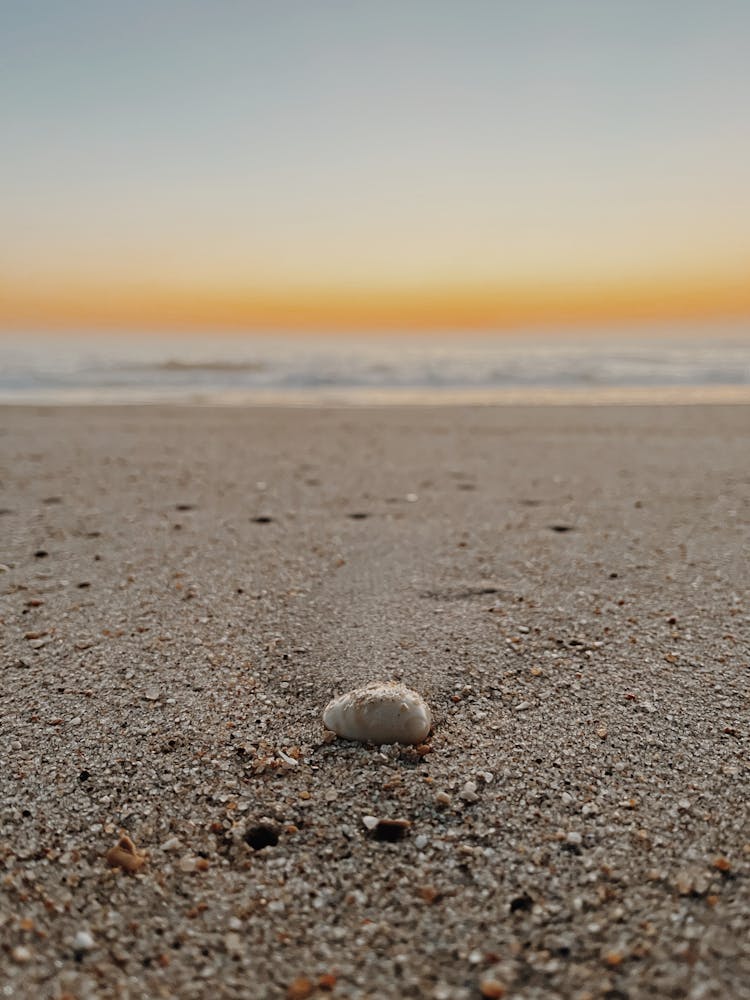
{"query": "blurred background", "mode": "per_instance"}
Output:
(422, 200)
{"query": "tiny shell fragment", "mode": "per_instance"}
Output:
(300, 989)
(379, 713)
(125, 855)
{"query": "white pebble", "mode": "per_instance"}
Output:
(370, 822)
(421, 841)
(379, 713)
(469, 792)
(83, 941)
(574, 838)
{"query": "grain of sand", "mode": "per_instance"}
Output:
(184, 589)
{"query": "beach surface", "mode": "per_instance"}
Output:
(184, 589)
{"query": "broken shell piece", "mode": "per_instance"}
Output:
(379, 713)
(125, 855)
(389, 830)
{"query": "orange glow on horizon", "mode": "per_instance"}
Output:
(335, 310)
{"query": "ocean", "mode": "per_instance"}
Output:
(660, 365)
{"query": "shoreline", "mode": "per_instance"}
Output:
(361, 397)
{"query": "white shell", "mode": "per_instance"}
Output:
(379, 713)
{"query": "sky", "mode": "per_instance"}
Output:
(346, 163)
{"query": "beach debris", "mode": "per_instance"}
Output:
(381, 713)
(125, 855)
(262, 519)
(560, 528)
(491, 988)
(300, 989)
(193, 863)
(289, 761)
(260, 836)
(469, 792)
(388, 830)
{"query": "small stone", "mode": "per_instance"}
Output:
(21, 954)
(443, 799)
(491, 988)
(411, 498)
(151, 694)
(380, 713)
(574, 838)
(469, 792)
(173, 844)
(421, 841)
(300, 989)
(370, 822)
(83, 941)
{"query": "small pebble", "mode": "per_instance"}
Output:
(469, 792)
(83, 941)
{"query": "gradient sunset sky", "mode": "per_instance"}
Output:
(343, 164)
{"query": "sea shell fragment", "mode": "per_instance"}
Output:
(379, 713)
(125, 855)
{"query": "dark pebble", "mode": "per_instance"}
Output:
(262, 836)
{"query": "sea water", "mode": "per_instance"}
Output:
(659, 364)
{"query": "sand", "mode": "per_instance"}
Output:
(183, 591)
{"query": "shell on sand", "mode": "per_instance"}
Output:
(379, 713)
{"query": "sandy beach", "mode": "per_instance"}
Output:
(184, 589)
